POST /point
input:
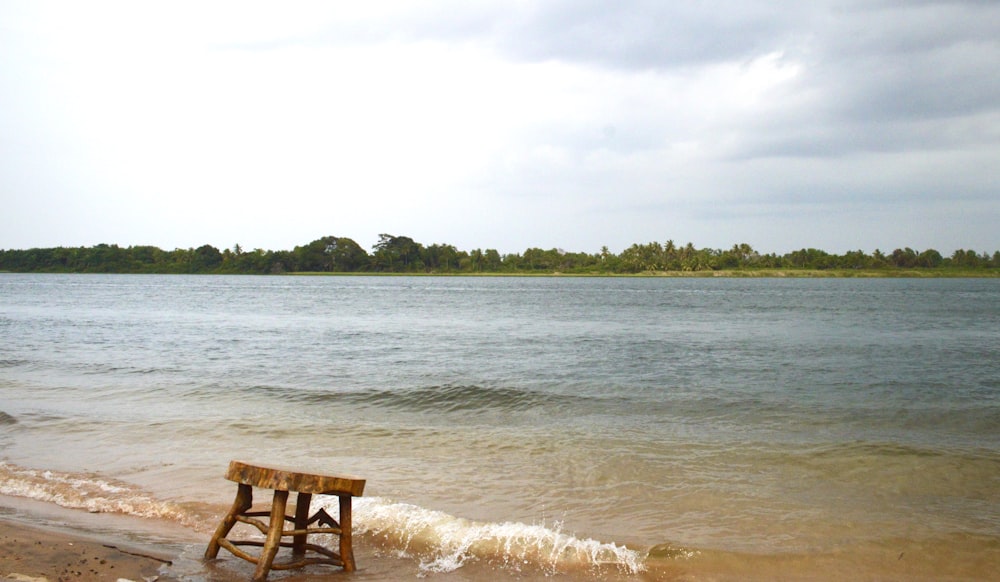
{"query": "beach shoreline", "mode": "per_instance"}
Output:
(35, 554)
(46, 551)
(43, 542)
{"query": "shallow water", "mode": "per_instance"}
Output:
(689, 427)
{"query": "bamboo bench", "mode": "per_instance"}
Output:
(282, 481)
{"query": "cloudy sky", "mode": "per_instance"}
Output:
(502, 124)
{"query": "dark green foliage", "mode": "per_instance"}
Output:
(397, 254)
(401, 254)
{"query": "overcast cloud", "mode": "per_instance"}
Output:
(507, 125)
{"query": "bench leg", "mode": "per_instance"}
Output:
(243, 502)
(346, 550)
(302, 502)
(273, 541)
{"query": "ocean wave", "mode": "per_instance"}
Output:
(447, 398)
(443, 543)
(886, 451)
(13, 363)
(88, 492)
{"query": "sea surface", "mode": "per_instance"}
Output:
(528, 427)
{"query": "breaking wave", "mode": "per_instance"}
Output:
(443, 543)
(88, 492)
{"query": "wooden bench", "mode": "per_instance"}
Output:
(282, 481)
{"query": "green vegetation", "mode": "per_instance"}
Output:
(401, 254)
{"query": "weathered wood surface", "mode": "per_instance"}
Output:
(281, 479)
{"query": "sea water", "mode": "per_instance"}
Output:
(590, 427)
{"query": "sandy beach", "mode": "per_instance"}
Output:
(30, 554)
(40, 541)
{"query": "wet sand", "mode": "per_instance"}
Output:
(40, 541)
(35, 555)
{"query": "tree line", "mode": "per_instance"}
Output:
(401, 254)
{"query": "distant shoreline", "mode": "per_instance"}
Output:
(403, 255)
(888, 273)
(724, 274)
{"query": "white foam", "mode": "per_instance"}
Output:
(78, 491)
(443, 543)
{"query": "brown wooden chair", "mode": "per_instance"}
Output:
(282, 481)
